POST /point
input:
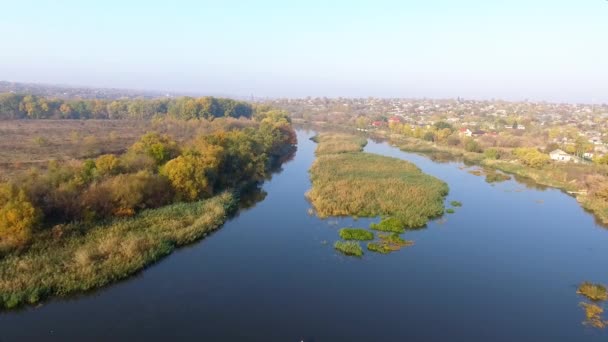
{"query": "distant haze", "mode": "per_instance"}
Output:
(513, 50)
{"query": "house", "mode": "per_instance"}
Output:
(394, 120)
(478, 133)
(465, 131)
(377, 123)
(561, 156)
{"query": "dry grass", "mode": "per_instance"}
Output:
(339, 143)
(595, 292)
(33, 143)
(593, 315)
(369, 185)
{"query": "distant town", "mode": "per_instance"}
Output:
(579, 131)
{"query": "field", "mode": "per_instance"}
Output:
(369, 185)
(33, 143)
(76, 258)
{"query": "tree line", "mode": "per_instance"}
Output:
(153, 172)
(22, 106)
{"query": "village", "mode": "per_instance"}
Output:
(576, 133)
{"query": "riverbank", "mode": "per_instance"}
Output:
(583, 182)
(74, 258)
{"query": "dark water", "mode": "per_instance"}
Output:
(503, 268)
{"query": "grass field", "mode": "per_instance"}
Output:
(76, 258)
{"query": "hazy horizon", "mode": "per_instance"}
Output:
(551, 51)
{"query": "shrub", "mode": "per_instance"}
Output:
(531, 157)
(450, 211)
(351, 248)
(356, 234)
(491, 153)
(471, 145)
(124, 194)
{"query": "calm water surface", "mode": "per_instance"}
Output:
(504, 267)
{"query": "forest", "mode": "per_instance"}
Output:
(27, 106)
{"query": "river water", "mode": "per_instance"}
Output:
(504, 267)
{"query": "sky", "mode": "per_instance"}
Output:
(519, 49)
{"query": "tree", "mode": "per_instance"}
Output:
(107, 164)
(161, 148)
(439, 125)
(18, 217)
(190, 175)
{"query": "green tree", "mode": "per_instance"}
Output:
(161, 148)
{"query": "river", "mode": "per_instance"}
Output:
(504, 267)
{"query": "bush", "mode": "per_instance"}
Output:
(124, 194)
(491, 153)
(531, 157)
(471, 145)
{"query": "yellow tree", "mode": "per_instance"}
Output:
(18, 217)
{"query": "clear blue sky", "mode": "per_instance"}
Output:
(517, 49)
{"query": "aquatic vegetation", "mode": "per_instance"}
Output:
(76, 257)
(378, 248)
(476, 172)
(338, 143)
(389, 224)
(356, 234)
(455, 204)
(492, 176)
(388, 243)
(595, 292)
(351, 248)
(450, 211)
(593, 314)
(369, 185)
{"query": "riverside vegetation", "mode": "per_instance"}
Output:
(80, 225)
(348, 182)
(597, 293)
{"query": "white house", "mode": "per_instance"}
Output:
(561, 156)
